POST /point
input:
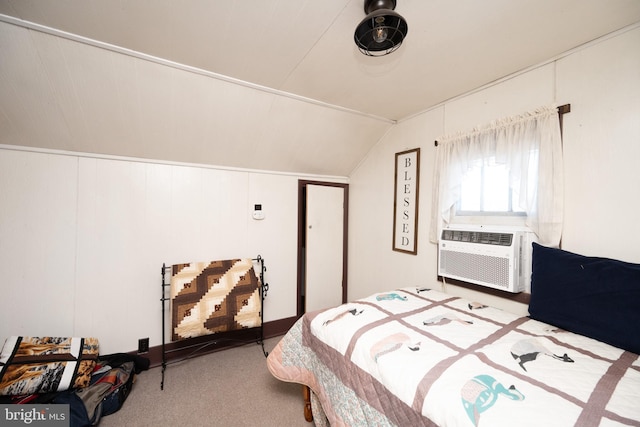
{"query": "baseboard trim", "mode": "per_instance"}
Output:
(178, 350)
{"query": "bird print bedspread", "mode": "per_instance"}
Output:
(414, 357)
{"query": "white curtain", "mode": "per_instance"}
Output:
(530, 146)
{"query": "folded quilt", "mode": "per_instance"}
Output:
(30, 365)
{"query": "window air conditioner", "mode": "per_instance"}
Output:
(499, 259)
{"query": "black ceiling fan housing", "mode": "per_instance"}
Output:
(380, 17)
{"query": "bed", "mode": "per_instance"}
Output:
(421, 357)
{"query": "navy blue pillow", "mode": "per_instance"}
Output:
(591, 296)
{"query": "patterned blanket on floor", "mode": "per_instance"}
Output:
(211, 297)
(30, 365)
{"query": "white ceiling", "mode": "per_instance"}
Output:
(306, 48)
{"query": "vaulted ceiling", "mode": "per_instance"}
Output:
(325, 103)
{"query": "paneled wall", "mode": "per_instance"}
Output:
(601, 81)
(83, 239)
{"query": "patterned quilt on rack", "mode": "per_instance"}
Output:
(211, 297)
(410, 357)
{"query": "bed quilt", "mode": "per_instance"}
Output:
(30, 365)
(211, 297)
(421, 357)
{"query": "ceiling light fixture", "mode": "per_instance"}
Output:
(382, 30)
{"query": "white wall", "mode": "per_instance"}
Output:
(602, 148)
(373, 265)
(601, 151)
(83, 239)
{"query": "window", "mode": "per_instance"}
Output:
(486, 189)
(512, 167)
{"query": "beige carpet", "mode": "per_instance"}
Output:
(228, 388)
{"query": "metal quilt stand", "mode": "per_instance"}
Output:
(263, 288)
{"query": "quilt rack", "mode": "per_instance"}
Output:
(213, 338)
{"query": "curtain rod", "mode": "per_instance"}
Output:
(562, 110)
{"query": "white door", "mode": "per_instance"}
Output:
(324, 247)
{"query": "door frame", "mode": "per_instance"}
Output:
(302, 232)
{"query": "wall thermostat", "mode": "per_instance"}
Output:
(258, 213)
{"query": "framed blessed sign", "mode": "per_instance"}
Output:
(405, 201)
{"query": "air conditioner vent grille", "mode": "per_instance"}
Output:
(474, 267)
(481, 237)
